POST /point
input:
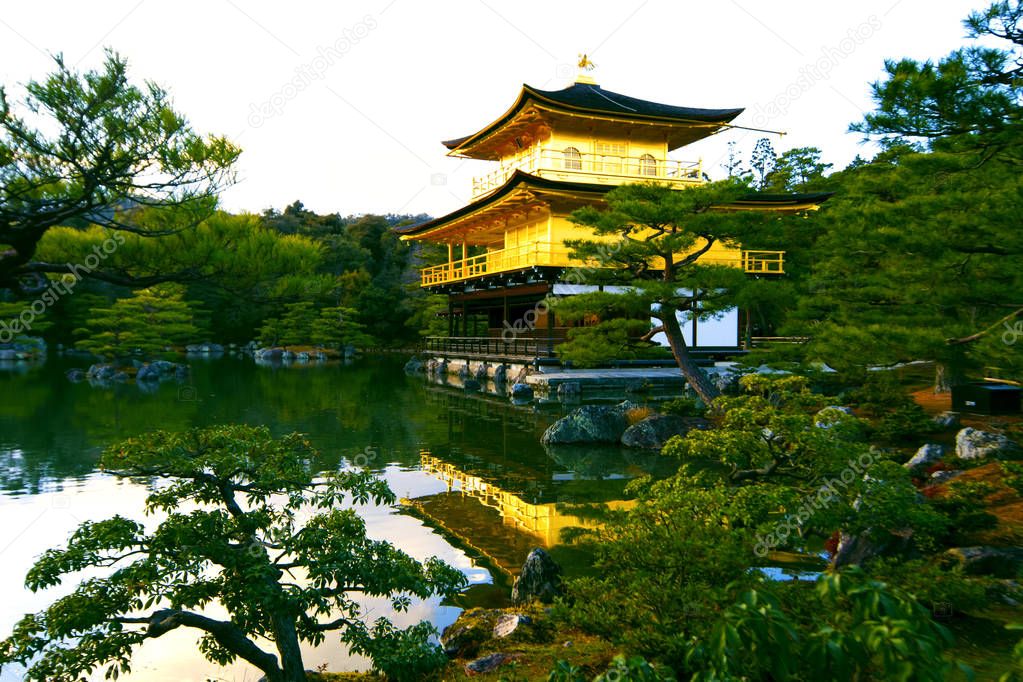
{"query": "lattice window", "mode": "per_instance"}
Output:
(573, 159)
(647, 165)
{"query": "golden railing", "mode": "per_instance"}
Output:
(552, 254)
(610, 169)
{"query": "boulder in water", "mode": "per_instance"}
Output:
(654, 431)
(540, 579)
(590, 424)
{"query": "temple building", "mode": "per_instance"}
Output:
(551, 153)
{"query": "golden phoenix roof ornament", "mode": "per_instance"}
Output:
(585, 66)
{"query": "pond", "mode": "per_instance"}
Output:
(478, 490)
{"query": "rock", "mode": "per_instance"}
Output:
(927, 454)
(120, 376)
(163, 367)
(192, 348)
(520, 378)
(75, 375)
(944, 476)
(569, 390)
(522, 392)
(8, 354)
(463, 372)
(302, 356)
(463, 638)
(654, 431)
(414, 366)
(487, 664)
(853, 550)
(509, 623)
(471, 385)
(481, 373)
(211, 348)
(540, 579)
(589, 424)
(999, 562)
(947, 420)
(101, 371)
(181, 372)
(725, 379)
(287, 355)
(975, 444)
(147, 373)
(501, 374)
(828, 416)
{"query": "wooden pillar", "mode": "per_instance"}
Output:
(550, 331)
(465, 318)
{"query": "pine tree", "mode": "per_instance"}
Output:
(762, 160)
(144, 323)
(650, 240)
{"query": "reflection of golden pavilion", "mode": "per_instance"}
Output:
(496, 523)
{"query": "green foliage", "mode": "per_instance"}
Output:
(303, 324)
(863, 629)
(762, 161)
(145, 323)
(650, 240)
(661, 572)
(614, 339)
(932, 584)
(684, 407)
(103, 148)
(887, 286)
(236, 511)
(964, 503)
(797, 170)
(896, 417)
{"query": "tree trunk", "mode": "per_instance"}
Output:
(690, 370)
(949, 372)
(286, 639)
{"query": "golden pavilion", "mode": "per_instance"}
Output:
(553, 152)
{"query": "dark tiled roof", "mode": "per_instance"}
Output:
(519, 177)
(593, 98)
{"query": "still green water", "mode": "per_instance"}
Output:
(479, 490)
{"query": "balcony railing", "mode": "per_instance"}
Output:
(475, 346)
(596, 168)
(551, 254)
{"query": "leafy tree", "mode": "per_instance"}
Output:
(104, 149)
(146, 323)
(796, 170)
(238, 513)
(762, 161)
(861, 629)
(650, 240)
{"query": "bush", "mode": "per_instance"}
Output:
(684, 407)
(932, 584)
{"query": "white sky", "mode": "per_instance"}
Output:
(362, 134)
